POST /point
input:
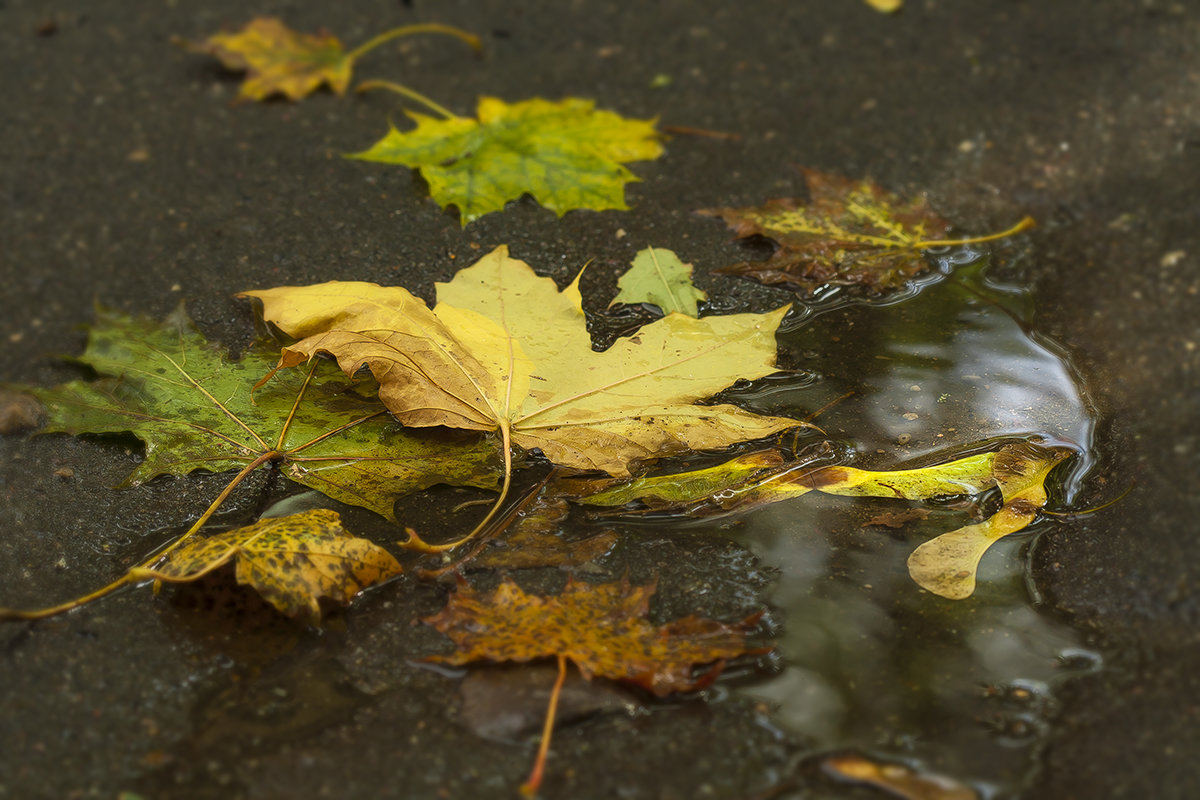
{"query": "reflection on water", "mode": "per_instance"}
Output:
(966, 687)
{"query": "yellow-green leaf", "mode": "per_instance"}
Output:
(567, 154)
(947, 564)
(293, 562)
(660, 278)
(506, 350)
(279, 60)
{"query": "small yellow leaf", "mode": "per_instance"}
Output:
(291, 561)
(886, 6)
(279, 60)
(947, 565)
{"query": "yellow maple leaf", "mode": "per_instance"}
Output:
(504, 350)
(291, 561)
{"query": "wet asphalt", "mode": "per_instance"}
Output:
(128, 179)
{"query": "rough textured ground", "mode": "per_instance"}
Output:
(127, 179)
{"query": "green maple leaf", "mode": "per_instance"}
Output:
(567, 155)
(659, 277)
(194, 409)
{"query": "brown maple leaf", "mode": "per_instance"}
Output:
(848, 232)
(601, 628)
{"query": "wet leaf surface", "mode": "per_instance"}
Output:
(658, 277)
(194, 409)
(294, 561)
(945, 565)
(602, 628)
(848, 232)
(567, 155)
(896, 780)
(506, 350)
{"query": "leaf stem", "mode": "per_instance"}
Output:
(534, 782)
(415, 542)
(1025, 224)
(411, 94)
(135, 574)
(407, 30)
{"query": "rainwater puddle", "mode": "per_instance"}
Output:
(961, 688)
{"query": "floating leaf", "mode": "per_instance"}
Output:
(567, 155)
(506, 350)
(947, 565)
(601, 628)
(193, 408)
(293, 562)
(848, 232)
(660, 278)
(279, 60)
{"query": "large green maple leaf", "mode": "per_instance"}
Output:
(567, 154)
(194, 409)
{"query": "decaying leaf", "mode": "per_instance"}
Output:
(660, 278)
(279, 60)
(945, 565)
(193, 408)
(567, 155)
(293, 562)
(506, 350)
(848, 232)
(601, 628)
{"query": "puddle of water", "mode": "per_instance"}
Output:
(965, 688)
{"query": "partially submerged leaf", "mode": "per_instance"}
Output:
(293, 562)
(506, 350)
(193, 409)
(848, 232)
(947, 565)
(660, 278)
(601, 628)
(279, 60)
(567, 155)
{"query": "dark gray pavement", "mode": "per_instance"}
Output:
(127, 179)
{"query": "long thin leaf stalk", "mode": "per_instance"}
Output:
(411, 94)
(534, 781)
(415, 542)
(134, 574)
(408, 30)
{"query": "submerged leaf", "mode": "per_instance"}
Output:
(602, 628)
(848, 232)
(660, 278)
(193, 409)
(279, 60)
(506, 350)
(567, 155)
(293, 562)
